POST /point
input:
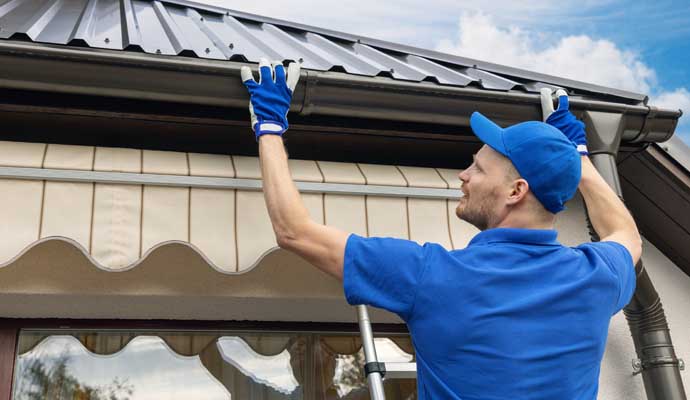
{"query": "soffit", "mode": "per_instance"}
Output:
(656, 185)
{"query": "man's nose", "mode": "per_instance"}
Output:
(462, 176)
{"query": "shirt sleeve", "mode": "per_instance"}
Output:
(383, 272)
(620, 262)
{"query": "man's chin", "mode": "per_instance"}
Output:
(460, 212)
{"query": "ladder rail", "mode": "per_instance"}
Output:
(373, 368)
(374, 379)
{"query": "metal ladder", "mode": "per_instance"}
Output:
(375, 370)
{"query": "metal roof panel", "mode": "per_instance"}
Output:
(489, 80)
(429, 54)
(55, 23)
(240, 39)
(185, 28)
(345, 53)
(100, 25)
(442, 74)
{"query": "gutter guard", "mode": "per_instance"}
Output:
(97, 72)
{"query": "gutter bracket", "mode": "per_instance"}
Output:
(600, 126)
(638, 365)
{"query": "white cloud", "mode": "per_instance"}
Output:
(413, 22)
(679, 98)
(578, 57)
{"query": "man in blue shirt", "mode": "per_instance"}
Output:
(514, 315)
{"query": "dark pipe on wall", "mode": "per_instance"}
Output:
(656, 358)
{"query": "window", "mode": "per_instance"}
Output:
(132, 365)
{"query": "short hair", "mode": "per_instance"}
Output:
(512, 174)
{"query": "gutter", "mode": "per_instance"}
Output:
(108, 73)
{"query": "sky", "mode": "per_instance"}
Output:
(641, 46)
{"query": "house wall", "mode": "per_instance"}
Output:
(673, 285)
(151, 297)
(616, 381)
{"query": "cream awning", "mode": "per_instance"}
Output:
(96, 232)
(119, 224)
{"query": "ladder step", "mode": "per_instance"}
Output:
(401, 370)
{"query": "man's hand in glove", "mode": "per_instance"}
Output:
(321, 245)
(563, 119)
(270, 98)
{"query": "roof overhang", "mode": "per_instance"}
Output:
(656, 185)
(183, 80)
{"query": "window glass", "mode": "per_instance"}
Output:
(125, 365)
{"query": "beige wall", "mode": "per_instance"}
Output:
(616, 381)
(674, 288)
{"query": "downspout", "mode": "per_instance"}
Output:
(656, 358)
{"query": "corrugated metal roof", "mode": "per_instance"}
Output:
(184, 28)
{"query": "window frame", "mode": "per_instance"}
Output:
(10, 329)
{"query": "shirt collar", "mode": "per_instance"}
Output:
(516, 235)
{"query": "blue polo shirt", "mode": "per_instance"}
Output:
(514, 315)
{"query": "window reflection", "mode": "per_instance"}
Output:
(126, 365)
(59, 367)
(348, 374)
(274, 371)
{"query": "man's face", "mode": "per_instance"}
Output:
(483, 184)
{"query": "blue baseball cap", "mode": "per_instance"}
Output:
(543, 156)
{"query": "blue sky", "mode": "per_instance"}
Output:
(642, 46)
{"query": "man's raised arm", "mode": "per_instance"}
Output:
(322, 246)
(611, 219)
(609, 216)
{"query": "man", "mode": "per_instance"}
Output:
(515, 315)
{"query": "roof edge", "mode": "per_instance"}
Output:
(54, 68)
(435, 55)
(677, 150)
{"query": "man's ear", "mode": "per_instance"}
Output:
(518, 191)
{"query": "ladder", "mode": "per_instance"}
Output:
(375, 370)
